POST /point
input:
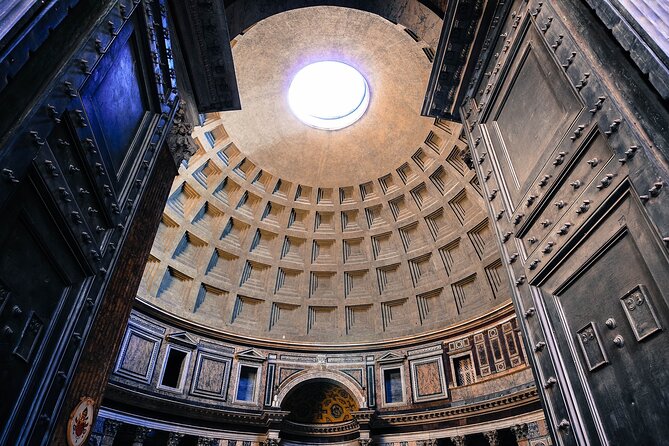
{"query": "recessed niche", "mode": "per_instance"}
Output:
(322, 284)
(383, 246)
(324, 196)
(367, 191)
(346, 195)
(234, 232)
(208, 218)
(248, 204)
(298, 219)
(422, 197)
(303, 194)
(183, 199)
(281, 188)
(288, 282)
(399, 209)
(227, 191)
(353, 250)
(389, 278)
(293, 249)
(324, 222)
(262, 180)
(356, 284)
(388, 184)
(244, 168)
(422, 269)
(323, 252)
(394, 314)
(228, 153)
(254, 276)
(349, 221)
(207, 174)
(375, 217)
(412, 237)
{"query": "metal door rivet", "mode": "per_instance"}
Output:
(619, 341)
(611, 323)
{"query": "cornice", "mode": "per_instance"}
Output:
(379, 421)
(509, 401)
(452, 331)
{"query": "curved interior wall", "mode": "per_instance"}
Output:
(241, 250)
(473, 380)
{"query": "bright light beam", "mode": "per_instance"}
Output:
(328, 95)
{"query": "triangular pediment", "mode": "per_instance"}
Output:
(182, 338)
(250, 354)
(391, 357)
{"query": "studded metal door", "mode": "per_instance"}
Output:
(73, 165)
(567, 138)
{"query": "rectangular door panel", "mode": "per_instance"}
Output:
(533, 110)
(614, 305)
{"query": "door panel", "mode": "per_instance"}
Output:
(535, 105)
(576, 181)
(615, 308)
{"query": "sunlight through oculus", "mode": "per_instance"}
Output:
(328, 95)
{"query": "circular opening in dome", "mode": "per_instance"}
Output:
(328, 95)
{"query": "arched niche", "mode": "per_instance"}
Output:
(340, 379)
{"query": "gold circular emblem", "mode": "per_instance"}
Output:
(80, 424)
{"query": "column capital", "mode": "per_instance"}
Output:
(174, 439)
(111, 427)
(140, 435)
(179, 139)
(205, 441)
(458, 440)
(520, 431)
(492, 437)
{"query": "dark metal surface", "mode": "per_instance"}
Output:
(202, 30)
(578, 168)
(72, 169)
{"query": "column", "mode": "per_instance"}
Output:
(140, 434)
(111, 428)
(205, 441)
(492, 437)
(364, 418)
(458, 440)
(520, 431)
(174, 439)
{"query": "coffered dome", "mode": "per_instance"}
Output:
(281, 232)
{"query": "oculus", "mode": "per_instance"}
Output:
(328, 95)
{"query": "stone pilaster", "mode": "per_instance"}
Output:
(458, 440)
(492, 437)
(521, 433)
(111, 428)
(179, 141)
(174, 439)
(140, 435)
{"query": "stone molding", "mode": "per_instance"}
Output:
(179, 140)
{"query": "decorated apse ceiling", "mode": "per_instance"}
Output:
(281, 232)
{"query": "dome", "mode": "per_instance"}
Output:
(278, 231)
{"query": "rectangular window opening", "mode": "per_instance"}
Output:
(392, 379)
(173, 368)
(464, 371)
(247, 383)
